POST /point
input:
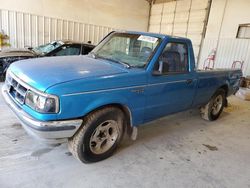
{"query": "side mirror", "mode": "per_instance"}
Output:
(28, 47)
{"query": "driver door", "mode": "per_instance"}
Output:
(173, 89)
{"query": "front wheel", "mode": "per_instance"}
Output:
(98, 138)
(212, 110)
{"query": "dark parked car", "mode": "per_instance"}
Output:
(55, 48)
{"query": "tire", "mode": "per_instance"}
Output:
(212, 110)
(99, 135)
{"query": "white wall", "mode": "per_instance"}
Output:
(120, 14)
(236, 12)
(224, 19)
(25, 29)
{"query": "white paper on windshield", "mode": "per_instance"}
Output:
(148, 39)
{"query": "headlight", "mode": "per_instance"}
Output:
(42, 103)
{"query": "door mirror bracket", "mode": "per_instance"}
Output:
(159, 71)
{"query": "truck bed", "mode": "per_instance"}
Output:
(210, 80)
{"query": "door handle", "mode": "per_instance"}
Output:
(189, 81)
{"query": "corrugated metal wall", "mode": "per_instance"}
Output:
(32, 30)
(180, 18)
(228, 51)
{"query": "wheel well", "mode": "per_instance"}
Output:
(125, 110)
(225, 87)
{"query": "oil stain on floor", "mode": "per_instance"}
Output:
(40, 152)
(212, 148)
(16, 125)
(68, 153)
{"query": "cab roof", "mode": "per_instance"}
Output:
(158, 35)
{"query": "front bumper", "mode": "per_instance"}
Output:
(46, 131)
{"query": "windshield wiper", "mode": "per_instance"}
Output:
(128, 66)
(95, 56)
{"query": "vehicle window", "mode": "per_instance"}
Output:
(132, 49)
(68, 50)
(47, 48)
(174, 59)
(86, 49)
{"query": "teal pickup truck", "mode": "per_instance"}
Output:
(129, 79)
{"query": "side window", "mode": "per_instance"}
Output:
(69, 50)
(86, 49)
(174, 59)
(146, 50)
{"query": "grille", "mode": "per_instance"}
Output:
(15, 89)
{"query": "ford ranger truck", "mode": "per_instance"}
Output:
(129, 79)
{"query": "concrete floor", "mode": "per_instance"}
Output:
(181, 150)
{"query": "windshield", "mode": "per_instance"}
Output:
(47, 48)
(134, 50)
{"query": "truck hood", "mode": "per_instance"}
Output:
(42, 73)
(16, 52)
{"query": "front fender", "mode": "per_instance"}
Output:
(79, 105)
(104, 101)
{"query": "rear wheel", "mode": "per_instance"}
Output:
(99, 136)
(212, 110)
